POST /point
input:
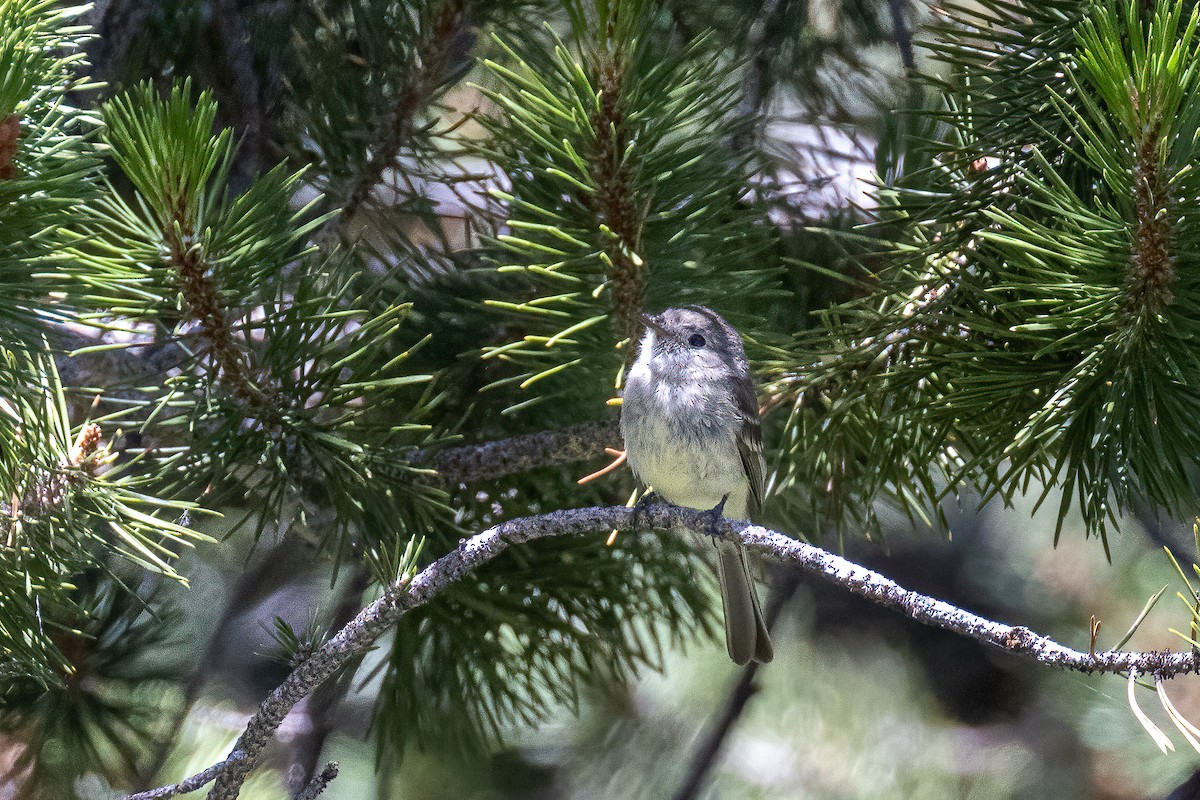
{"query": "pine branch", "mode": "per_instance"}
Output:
(1034, 327)
(395, 129)
(492, 460)
(60, 505)
(614, 201)
(204, 306)
(470, 463)
(301, 353)
(1151, 269)
(412, 591)
(621, 195)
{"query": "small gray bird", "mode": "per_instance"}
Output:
(689, 415)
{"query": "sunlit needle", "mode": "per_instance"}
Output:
(619, 459)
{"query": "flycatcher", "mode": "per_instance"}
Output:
(689, 416)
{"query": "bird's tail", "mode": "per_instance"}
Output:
(746, 635)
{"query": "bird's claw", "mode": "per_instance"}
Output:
(639, 508)
(718, 511)
(715, 515)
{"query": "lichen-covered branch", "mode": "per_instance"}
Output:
(491, 460)
(197, 781)
(472, 553)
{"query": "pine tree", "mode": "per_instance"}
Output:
(259, 292)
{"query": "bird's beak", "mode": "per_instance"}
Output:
(651, 323)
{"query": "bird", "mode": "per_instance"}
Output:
(689, 417)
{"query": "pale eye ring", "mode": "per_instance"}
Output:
(696, 340)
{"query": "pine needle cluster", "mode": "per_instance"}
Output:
(621, 196)
(65, 510)
(1033, 328)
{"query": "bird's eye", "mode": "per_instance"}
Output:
(696, 340)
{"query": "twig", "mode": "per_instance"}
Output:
(472, 553)
(322, 703)
(902, 34)
(318, 783)
(714, 740)
(193, 783)
(756, 81)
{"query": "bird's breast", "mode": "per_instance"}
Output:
(675, 446)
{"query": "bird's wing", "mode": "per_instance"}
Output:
(750, 447)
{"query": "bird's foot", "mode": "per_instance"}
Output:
(640, 508)
(714, 517)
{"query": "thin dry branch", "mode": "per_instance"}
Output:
(197, 781)
(472, 553)
(783, 589)
(902, 34)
